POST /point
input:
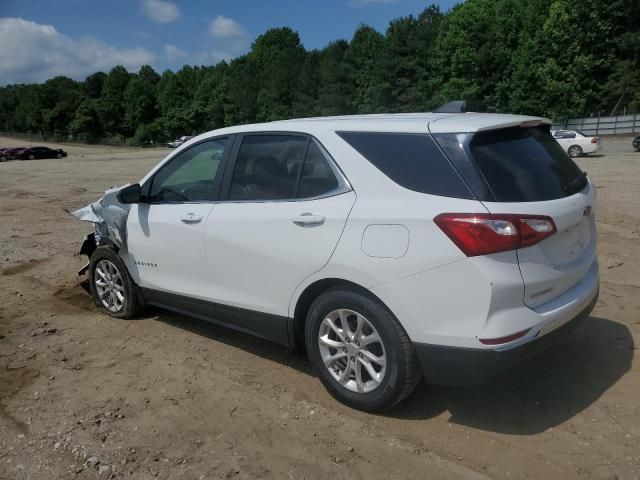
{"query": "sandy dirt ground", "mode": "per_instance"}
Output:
(83, 395)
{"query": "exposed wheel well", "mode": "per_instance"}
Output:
(308, 296)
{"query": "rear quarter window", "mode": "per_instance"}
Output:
(413, 161)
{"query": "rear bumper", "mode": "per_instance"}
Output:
(445, 365)
(592, 148)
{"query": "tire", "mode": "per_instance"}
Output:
(32, 157)
(118, 298)
(575, 151)
(396, 378)
(58, 155)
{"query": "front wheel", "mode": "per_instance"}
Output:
(32, 157)
(359, 350)
(58, 155)
(111, 286)
(575, 151)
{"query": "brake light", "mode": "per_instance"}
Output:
(595, 140)
(485, 233)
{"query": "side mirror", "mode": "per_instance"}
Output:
(130, 194)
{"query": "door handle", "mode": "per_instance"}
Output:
(308, 220)
(191, 218)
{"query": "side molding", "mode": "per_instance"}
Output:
(273, 328)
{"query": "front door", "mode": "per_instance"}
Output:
(165, 235)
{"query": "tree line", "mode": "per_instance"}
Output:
(556, 58)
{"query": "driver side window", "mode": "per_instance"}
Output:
(190, 176)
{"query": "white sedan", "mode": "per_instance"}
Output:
(576, 144)
(179, 141)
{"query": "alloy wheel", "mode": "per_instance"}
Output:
(352, 350)
(109, 286)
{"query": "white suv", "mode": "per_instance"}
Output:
(388, 247)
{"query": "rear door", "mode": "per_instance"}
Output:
(283, 208)
(165, 234)
(527, 172)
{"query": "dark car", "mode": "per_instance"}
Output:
(13, 152)
(636, 144)
(41, 152)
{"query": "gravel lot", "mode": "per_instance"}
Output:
(84, 396)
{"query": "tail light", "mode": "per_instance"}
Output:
(482, 233)
(595, 140)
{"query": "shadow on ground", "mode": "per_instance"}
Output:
(248, 343)
(549, 390)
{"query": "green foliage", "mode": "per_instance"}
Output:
(111, 105)
(149, 134)
(336, 89)
(86, 126)
(276, 57)
(557, 58)
(140, 97)
(93, 84)
(363, 59)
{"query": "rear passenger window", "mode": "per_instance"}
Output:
(280, 167)
(316, 177)
(267, 167)
(413, 161)
(567, 134)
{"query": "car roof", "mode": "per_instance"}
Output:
(397, 122)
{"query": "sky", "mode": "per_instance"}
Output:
(40, 39)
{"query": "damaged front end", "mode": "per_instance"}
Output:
(88, 246)
(109, 217)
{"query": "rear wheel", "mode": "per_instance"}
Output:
(32, 157)
(575, 151)
(359, 351)
(111, 286)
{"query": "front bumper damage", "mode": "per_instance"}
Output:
(87, 247)
(109, 217)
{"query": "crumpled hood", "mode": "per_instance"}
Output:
(108, 215)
